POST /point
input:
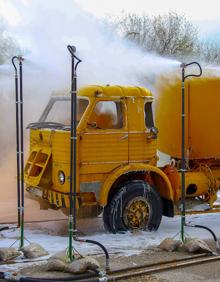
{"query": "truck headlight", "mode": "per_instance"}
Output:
(61, 177)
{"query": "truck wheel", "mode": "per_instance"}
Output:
(135, 206)
(105, 217)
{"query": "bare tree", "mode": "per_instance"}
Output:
(8, 45)
(209, 52)
(170, 35)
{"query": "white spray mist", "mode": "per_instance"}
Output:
(45, 29)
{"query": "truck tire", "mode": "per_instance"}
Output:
(136, 205)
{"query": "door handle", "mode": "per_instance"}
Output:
(123, 137)
(153, 133)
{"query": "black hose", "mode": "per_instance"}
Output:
(30, 279)
(8, 228)
(4, 228)
(107, 266)
(204, 227)
(72, 278)
(208, 229)
(94, 279)
(100, 245)
(75, 277)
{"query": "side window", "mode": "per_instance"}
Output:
(149, 120)
(107, 115)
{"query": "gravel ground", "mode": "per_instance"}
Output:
(205, 272)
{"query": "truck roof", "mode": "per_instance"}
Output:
(114, 91)
(107, 91)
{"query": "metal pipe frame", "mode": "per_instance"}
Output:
(19, 144)
(73, 150)
(183, 158)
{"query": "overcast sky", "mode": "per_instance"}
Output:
(205, 14)
(194, 9)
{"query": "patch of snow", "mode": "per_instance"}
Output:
(127, 244)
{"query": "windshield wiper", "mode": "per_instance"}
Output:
(48, 124)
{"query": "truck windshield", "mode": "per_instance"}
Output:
(60, 111)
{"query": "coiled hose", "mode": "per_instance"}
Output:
(208, 229)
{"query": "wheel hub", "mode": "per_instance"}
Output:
(136, 213)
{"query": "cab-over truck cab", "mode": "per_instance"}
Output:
(116, 158)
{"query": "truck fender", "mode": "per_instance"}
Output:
(158, 174)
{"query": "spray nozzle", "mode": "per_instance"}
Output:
(20, 58)
(183, 65)
(72, 49)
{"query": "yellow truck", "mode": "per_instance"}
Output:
(117, 145)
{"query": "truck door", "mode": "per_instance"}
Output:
(103, 145)
(142, 141)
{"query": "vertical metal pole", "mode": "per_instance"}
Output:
(21, 152)
(183, 163)
(72, 160)
(74, 150)
(17, 142)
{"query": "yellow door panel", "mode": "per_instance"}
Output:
(102, 152)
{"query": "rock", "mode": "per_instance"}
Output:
(62, 255)
(169, 244)
(8, 253)
(57, 262)
(195, 245)
(82, 265)
(34, 250)
(55, 265)
(181, 248)
(92, 263)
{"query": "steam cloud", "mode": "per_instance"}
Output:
(45, 30)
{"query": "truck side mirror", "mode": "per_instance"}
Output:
(154, 131)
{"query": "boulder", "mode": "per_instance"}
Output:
(8, 253)
(82, 265)
(55, 265)
(62, 255)
(195, 245)
(169, 245)
(34, 250)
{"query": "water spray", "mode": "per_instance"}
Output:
(19, 144)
